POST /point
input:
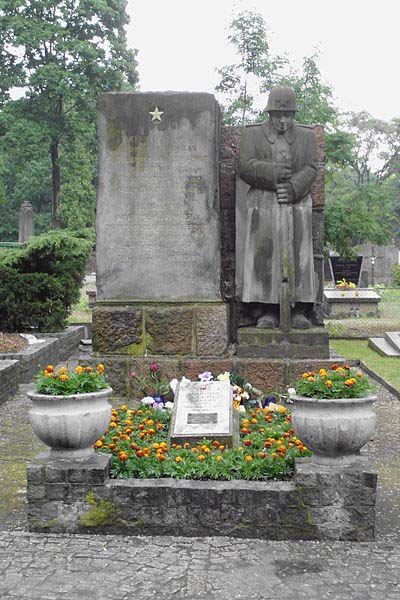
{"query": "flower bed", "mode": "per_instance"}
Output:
(137, 441)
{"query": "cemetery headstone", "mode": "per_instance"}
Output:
(26, 222)
(344, 268)
(204, 410)
(158, 225)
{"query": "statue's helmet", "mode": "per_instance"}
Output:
(282, 98)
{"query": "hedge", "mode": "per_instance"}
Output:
(39, 284)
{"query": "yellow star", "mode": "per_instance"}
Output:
(156, 114)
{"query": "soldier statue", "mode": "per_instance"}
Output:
(278, 159)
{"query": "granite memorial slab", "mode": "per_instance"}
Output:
(204, 410)
(158, 207)
(344, 268)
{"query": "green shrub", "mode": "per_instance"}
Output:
(396, 275)
(39, 284)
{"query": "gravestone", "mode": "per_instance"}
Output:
(26, 222)
(204, 410)
(158, 226)
(344, 304)
(344, 268)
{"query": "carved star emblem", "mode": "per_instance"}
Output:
(156, 114)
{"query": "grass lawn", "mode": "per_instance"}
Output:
(387, 368)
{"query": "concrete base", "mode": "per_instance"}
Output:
(347, 304)
(319, 503)
(274, 343)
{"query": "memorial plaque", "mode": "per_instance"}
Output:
(204, 410)
(158, 205)
(344, 268)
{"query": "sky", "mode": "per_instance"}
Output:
(182, 42)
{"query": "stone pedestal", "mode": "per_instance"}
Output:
(26, 222)
(318, 503)
(158, 226)
(274, 343)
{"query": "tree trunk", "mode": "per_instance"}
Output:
(55, 176)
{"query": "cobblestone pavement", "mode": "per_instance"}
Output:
(52, 567)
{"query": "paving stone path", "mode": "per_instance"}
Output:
(52, 567)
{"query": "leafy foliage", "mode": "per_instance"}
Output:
(39, 284)
(62, 55)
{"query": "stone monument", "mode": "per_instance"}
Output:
(204, 410)
(158, 226)
(278, 161)
(26, 222)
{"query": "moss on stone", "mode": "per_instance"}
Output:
(37, 524)
(102, 513)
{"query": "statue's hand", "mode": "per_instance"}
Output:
(283, 172)
(285, 193)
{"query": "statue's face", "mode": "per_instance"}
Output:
(282, 120)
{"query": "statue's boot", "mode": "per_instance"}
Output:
(300, 321)
(247, 321)
(267, 321)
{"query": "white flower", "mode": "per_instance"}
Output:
(291, 392)
(241, 408)
(245, 396)
(147, 400)
(224, 376)
(169, 405)
(172, 384)
(248, 386)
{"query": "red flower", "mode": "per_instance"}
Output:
(154, 367)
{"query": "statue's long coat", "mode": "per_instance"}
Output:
(261, 149)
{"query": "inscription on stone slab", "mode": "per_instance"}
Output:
(158, 209)
(348, 269)
(203, 410)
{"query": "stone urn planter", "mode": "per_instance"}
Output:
(334, 429)
(69, 425)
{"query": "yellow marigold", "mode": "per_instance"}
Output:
(47, 374)
(350, 382)
(248, 458)
(328, 383)
(63, 370)
(359, 374)
(50, 368)
(112, 424)
(323, 373)
(178, 459)
(201, 457)
(219, 458)
(340, 370)
(281, 409)
(311, 378)
(305, 375)
(98, 444)
(88, 369)
(64, 377)
(79, 369)
(100, 368)
(123, 407)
